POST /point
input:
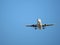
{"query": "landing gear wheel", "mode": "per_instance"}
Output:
(43, 28)
(35, 28)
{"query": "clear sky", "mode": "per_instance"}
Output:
(15, 14)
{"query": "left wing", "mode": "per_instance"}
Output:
(47, 25)
(44, 25)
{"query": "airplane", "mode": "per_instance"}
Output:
(39, 25)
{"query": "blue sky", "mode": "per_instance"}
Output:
(15, 14)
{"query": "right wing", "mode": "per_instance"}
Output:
(31, 25)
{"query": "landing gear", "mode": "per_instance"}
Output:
(35, 28)
(43, 28)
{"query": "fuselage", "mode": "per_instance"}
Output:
(39, 23)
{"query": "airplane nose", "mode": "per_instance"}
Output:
(39, 20)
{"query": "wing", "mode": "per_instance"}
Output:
(31, 25)
(47, 25)
(44, 25)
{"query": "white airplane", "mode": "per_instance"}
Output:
(39, 25)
